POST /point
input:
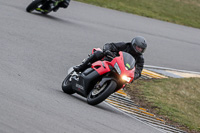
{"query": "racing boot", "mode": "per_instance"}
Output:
(64, 4)
(85, 64)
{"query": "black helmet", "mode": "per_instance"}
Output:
(139, 44)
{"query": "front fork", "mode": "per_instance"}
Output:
(109, 77)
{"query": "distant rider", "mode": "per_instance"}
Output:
(136, 48)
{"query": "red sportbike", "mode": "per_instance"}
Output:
(102, 79)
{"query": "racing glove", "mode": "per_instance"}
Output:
(109, 53)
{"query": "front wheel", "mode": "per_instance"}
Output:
(67, 86)
(99, 94)
(34, 4)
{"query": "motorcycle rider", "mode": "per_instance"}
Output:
(136, 48)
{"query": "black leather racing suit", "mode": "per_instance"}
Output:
(114, 48)
(126, 47)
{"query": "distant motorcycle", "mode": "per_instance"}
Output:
(101, 79)
(43, 6)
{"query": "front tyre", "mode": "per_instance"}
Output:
(97, 95)
(67, 85)
(34, 4)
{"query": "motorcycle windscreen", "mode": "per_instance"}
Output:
(129, 61)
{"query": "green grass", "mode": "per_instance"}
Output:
(176, 100)
(184, 12)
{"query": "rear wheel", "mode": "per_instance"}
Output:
(34, 4)
(99, 94)
(67, 86)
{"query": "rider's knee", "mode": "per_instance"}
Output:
(99, 54)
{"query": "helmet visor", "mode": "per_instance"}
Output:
(139, 49)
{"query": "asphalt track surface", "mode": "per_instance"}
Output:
(36, 51)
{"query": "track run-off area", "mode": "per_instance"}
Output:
(36, 51)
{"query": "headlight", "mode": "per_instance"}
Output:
(116, 66)
(128, 79)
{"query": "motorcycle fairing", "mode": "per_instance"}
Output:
(82, 83)
(102, 67)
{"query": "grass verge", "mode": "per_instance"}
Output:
(184, 12)
(175, 100)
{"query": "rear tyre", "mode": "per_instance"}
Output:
(34, 4)
(97, 95)
(67, 85)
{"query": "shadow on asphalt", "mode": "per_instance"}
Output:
(50, 17)
(101, 106)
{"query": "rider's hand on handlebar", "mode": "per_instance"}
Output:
(109, 53)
